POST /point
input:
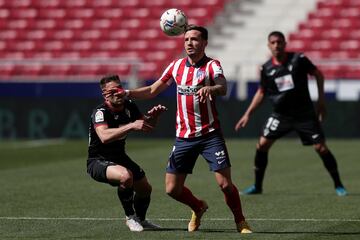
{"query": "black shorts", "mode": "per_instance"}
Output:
(96, 168)
(308, 128)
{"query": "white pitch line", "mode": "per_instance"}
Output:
(36, 143)
(183, 219)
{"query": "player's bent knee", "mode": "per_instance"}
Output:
(321, 148)
(172, 191)
(126, 179)
(262, 147)
(226, 188)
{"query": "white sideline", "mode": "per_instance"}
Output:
(183, 219)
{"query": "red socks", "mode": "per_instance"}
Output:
(233, 201)
(189, 199)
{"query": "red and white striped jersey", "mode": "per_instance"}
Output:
(193, 118)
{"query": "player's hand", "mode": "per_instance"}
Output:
(153, 114)
(204, 93)
(116, 91)
(156, 111)
(242, 122)
(142, 125)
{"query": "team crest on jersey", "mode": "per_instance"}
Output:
(127, 112)
(290, 67)
(200, 75)
(99, 116)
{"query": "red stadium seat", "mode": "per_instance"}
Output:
(331, 32)
(93, 29)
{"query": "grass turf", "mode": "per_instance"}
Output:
(46, 193)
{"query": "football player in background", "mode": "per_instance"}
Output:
(108, 162)
(284, 79)
(199, 80)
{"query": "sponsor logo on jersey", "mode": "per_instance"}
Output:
(284, 83)
(188, 90)
(99, 116)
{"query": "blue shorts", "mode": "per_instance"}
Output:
(185, 152)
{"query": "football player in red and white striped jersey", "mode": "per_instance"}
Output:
(199, 80)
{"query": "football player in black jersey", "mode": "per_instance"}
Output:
(284, 79)
(107, 160)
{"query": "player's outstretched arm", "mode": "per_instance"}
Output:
(255, 103)
(108, 135)
(148, 91)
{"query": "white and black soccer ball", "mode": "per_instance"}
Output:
(173, 22)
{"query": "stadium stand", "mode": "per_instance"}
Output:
(82, 39)
(243, 28)
(325, 30)
(331, 36)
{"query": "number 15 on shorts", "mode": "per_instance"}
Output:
(271, 125)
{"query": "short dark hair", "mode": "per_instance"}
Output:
(109, 78)
(203, 30)
(277, 34)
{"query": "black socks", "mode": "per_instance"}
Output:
(261, 160)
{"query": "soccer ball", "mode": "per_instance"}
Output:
(173, 22)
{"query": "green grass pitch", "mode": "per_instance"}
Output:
(45, 193)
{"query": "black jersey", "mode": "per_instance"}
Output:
(103, 115)
(287, 84)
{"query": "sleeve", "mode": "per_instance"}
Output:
(98, 117)
(216, 69)
(262, 84)
(307, 64)
(166, 76)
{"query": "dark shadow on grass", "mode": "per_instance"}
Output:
(166, 229)
(217, 230)
(185, 230)
(316, 233)
(350, 194)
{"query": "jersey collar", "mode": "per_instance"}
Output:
(112, 109)
(275, 62)
(201, 62)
